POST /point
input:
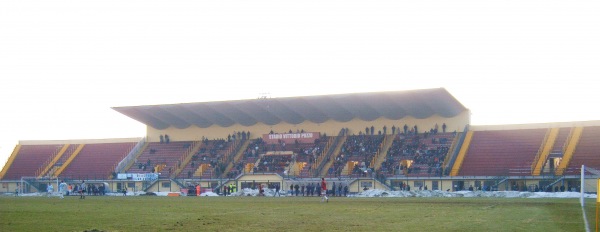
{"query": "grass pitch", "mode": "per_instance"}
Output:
(145, 213)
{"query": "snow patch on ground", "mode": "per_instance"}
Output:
(487, 194)
(247, 192)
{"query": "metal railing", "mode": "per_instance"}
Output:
(330, 151)
(131, 156)
(459, 145)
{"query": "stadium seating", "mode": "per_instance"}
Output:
(587, 152)
(424, 152)
(162, 155)
(249, 157)
(96, 161)
(502, 152)
(277, 162)
(307, 156)
(211, 153)
(560, 140)
(297, 154)
(30, 159)
(491, 153)
(357, 152)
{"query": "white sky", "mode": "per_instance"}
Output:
(63, 64)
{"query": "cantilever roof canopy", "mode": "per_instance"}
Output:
(294, 110)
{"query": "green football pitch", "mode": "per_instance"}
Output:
(150, 213)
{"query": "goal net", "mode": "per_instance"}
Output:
(37, 185)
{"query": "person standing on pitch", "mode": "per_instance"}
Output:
(62, 188)
(50, 189)
(324, 190)
(82, 190)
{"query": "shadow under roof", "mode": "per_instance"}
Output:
(294, 110)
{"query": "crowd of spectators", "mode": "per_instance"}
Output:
(90, 189)
(310, 153)
(309, 189)
(256, 150)
(424, 154)
(274, 163)
(212, 152)
(250, 155)
(240, 135)
(357, 148)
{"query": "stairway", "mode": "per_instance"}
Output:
(69, 160)
(452, 150)
(185, 159)
(137, 155)
(461, 155)
(544, 151)
(348, 167)
(323, 171)
(53, 161)
(249, 168)
(572, 142)
(237, 156)
(382, 154)
(303, 169)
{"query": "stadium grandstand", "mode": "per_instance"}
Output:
(386, 140)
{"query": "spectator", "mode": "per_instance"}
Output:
(277, 190)
(333, 189)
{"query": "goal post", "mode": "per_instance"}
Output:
(582, 199)
(33, 181)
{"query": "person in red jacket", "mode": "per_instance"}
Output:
(197, 190)
(324, 190)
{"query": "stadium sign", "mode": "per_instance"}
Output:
(290, 138)
(137, 176)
